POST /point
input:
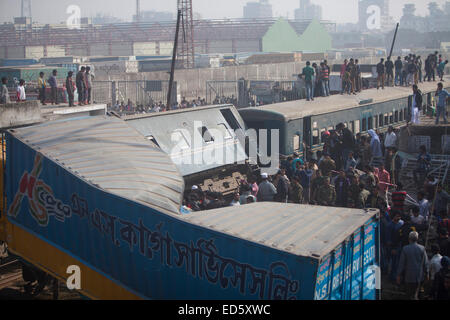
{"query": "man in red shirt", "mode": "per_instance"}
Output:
(398, 199)
(384, 181)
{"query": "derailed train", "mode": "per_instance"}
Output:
(103, 194)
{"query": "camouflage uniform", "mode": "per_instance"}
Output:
(326, 195)
(353, 191)
(326, 166)
(316, 183)
(296, 192)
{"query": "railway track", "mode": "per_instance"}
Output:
(10, 273)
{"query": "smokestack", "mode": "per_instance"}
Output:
(138, 11)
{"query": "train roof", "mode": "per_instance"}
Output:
(309, 231)
(173, 129)
(177, 111)
(299, 109)
(112, 156)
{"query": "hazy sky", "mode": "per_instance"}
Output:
(53, 11)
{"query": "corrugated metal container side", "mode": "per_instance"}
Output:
(336, 248)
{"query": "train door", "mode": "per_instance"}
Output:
(307, 136)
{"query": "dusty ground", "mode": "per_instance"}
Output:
(12, 287)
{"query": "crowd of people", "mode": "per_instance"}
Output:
(131, 108)
(358, 172)
(82, 85)
(317, 79)
(410, 70)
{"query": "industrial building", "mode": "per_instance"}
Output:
(35, 41)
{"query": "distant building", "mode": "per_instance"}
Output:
(155, 16)
(258, 10)
(436, 21)
(308, 10)
(101, 19)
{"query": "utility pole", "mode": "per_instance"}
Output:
(187, 54)
(174, 58)
(138, 11)
(393, 42)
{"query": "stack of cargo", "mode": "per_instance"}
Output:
(274, 58)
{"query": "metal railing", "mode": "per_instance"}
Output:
(139, 92)
(244, 93)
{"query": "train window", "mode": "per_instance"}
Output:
(364, 124)
(352, 126)
(230, 118)
(357, 127)
(405, 114)
(401, 115)
(225, 131)
(330, 128)
(180, 140)
(386, 119)
(380, 120)
(315, 137)
(207, 136)
(370, 123)
(396, 116)
(296, 142)
(391, 118)
(152, 139)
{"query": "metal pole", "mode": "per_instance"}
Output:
(174, 57)
(395, 37)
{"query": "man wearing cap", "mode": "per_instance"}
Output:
(267, 190)
(413, 266)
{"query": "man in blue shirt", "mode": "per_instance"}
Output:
(308, 73)
(54, 87)
(442, 95)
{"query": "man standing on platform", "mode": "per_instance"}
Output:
(89, 79)
(69, 88)
(4, 95)
(398, 71)
(54, 87)
(325, 76)
(80, 85)
(381, 74)
(308, 73)
(343, 71)
(389, 72)
(358, 76)
(42, 85)
(441, 107)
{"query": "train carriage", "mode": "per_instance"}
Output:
(301, 123)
